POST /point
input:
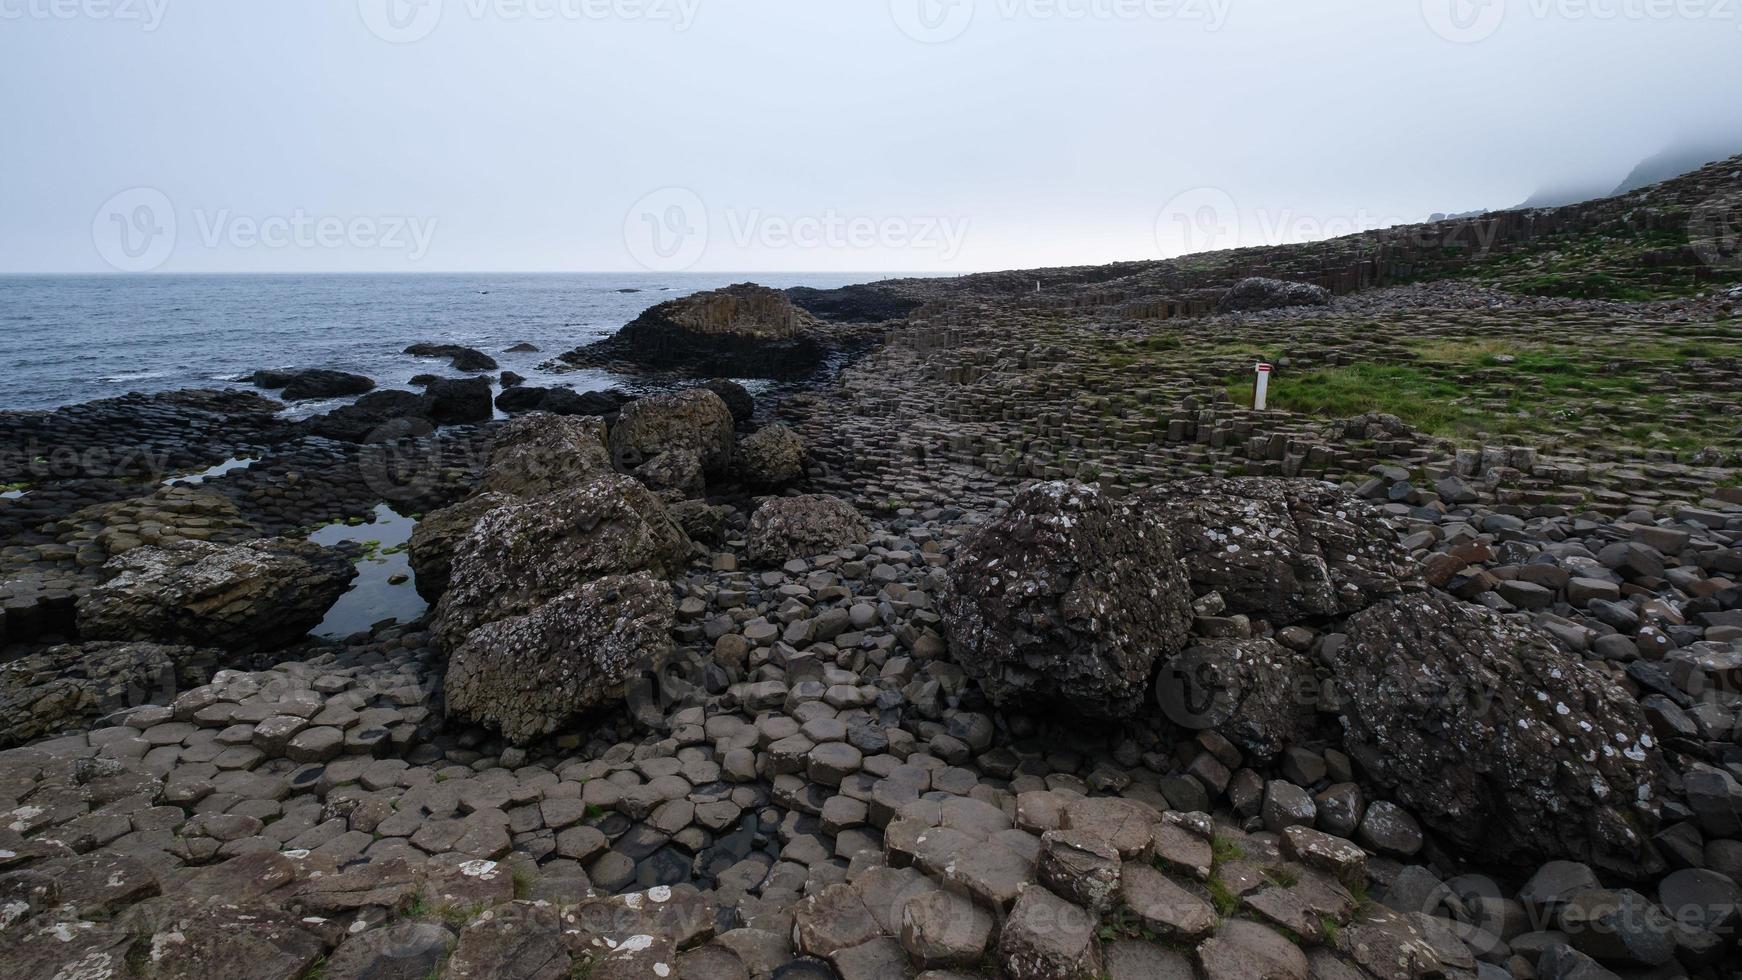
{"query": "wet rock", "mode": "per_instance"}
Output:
(1068, 598)
(784, 528)
(457, 402)
(465, 359)
(261, 594)
(1501, 741)
(534, 675)
(296, 386)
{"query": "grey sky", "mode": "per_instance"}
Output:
(758, 135)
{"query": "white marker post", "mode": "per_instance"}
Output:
(1261, 388)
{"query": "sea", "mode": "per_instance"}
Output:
(70, 339)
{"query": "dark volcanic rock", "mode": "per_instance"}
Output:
(742, 331)
(1284, 550)
(1067, 599)
(521, 556)
(456, 402)
(784, 528)
(258, 595)
(461, 358)
(771, 457)
(438, 535)
(379, 416)
(737, 398)
(695, 420)
(535, 675)
(853, 304)
(1496, 738)
(1249, 295)
(68, 687)
(1248, 691)
(317, 383)
(561, 401)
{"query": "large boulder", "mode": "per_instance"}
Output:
(1495, 737)
(1068, 599)
(737, 398)
(784, 528)
(696, 420)
(295, 386)
(65, 688)
(561, 401)
(535, 675)
(1250, 295)
(1253, 692)
(258, 595)
(742, 331)
(771, 457)
(539, 454)
(1281, 550)
(438, 535)
(525, 554)
(459, 401)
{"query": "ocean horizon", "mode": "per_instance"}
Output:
(75, 337)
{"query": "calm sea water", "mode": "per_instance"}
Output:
(67, 339)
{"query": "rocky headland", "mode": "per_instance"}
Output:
(1000, 638)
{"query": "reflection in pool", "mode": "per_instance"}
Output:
(194, 479)
(373, 598)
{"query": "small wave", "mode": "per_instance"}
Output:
(141, 376)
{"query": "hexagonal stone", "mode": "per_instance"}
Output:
(1048, 938)
(832, 920)
(941, 929)
(1242, 949)
(315, 745)
(1080, 866)
(1163, 906)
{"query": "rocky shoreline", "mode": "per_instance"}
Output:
(1016, 648)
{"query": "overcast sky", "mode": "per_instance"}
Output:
(786, 135)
